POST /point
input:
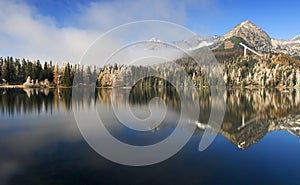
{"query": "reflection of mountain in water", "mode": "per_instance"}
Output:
(248, 134)
(250, 114)
(290, 123)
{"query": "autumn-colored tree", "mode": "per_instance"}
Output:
(56, 74)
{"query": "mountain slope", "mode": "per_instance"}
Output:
(252, 34)
(232, 43)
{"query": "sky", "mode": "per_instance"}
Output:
(63, 30)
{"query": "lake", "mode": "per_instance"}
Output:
(258, 142)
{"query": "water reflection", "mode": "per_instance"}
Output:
(250, 113)
(15, 102)
(41, 144)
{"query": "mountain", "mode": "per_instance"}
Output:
(290, 47)
(197, 42)
(247, 33)
(253, 35)
(296, 39)
(257, 39)
(248, 134)
(189, 44)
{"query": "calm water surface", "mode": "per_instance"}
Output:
(258, 143)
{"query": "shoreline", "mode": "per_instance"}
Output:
(23, 87)
(281, 88)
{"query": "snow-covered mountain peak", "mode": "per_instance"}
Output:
(296, 38)
(252, 34)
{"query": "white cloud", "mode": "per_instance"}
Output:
(110, 14)
(25, 32)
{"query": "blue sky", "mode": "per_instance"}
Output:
(32, 28)
(279, 18)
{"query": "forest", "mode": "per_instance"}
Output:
(271, 70)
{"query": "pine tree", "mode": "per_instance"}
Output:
(66, 77)
(37, 70)
(20, 72)
(23, 66)
(43, 74)
(28, 69)
(8, 70)
(72, 72)
(49, 72)
(11, 71)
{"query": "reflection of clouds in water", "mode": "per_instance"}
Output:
(7, 169)
(21, 139)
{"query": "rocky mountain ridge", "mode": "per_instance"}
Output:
(289, 47)
(247, 33)
(252, 34)
(261, 41)
(255, 38)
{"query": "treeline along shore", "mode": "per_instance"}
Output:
(270, 70)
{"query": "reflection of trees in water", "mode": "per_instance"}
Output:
(142, 95)
(241, 104)
(247, 104)
(29, 101)
(104, 96)
(250, 133)
(250, 114)
(83, 98)
(19, 101)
